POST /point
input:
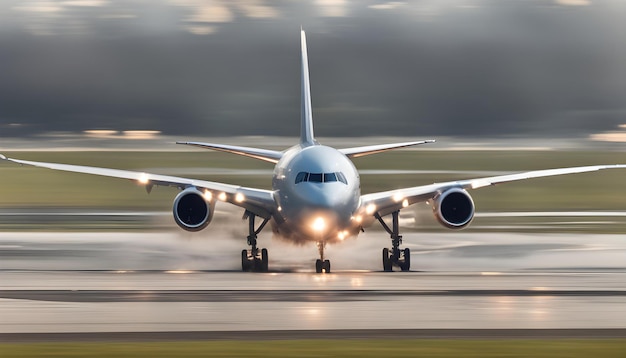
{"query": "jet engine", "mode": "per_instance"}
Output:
(191, 210)
(454, 208)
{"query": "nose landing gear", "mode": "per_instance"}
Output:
(321, 265)
(394, 256)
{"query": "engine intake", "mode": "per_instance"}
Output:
(191, 211)
(454, 208)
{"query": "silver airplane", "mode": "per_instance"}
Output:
(316, 193)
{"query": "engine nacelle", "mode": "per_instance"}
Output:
(454, 208)
(191, 210)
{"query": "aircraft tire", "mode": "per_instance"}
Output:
(406, 266)
(264, 261)
(326, 266)
(387, 266)
(245, 263)
(318, 266)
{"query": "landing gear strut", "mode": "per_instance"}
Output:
(394, 256)
(252, 260)
(322, 265)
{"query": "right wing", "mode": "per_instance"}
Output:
(258, 201)
(379, 148)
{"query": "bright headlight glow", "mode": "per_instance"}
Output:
(342, 235)
(319, 224)
(143, 179)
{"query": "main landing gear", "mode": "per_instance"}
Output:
(251, 260)
(321, 265)
(394, 256)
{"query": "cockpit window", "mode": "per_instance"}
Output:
(321, 177)
(315, 177)
(302, 176)
(328, 177)
(342, 178)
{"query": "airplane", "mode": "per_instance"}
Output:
(316, 193)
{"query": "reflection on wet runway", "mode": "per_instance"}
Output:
(67, 301)
(121, 282)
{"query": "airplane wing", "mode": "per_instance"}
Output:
(387, 202)
(374, 149)
(258, 201)
(267, 155)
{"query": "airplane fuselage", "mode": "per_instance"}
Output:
(317, 189)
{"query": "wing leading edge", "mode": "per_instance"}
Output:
(267, 155)
(258, 201)
(379, 148)
(387, 202)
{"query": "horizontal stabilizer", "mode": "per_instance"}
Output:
(267, 155)
(373, 149)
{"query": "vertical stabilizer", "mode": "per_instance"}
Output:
(306, 116)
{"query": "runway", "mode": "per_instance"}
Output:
(142, 282)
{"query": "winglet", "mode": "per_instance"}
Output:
(306, 116)
(2, 157)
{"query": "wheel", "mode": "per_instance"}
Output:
(264, 260)
(326, 266)
(387, 267)
(245, 263)
(318, 266)
(406, 266)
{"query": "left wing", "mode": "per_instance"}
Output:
(387, 202)
(267, 155)
(258, 201)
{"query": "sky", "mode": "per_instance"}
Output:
(492, 68)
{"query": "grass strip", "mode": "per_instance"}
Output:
(327, 348)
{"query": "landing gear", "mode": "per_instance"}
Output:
(321, 265)
(251, 260)
(394, 256)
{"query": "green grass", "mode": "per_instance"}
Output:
(327, 348)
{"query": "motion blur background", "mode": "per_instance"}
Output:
(469, 68)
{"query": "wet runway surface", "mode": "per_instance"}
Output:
(59, 283)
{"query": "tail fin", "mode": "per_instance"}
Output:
(306, 117)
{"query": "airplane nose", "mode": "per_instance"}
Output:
(330, 199)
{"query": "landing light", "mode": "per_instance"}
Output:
(143, 178)
(319, 224)
(240, 198)
(222, 197)
(370, 209)
(405, 203)
(398, 197)
(208, 196)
